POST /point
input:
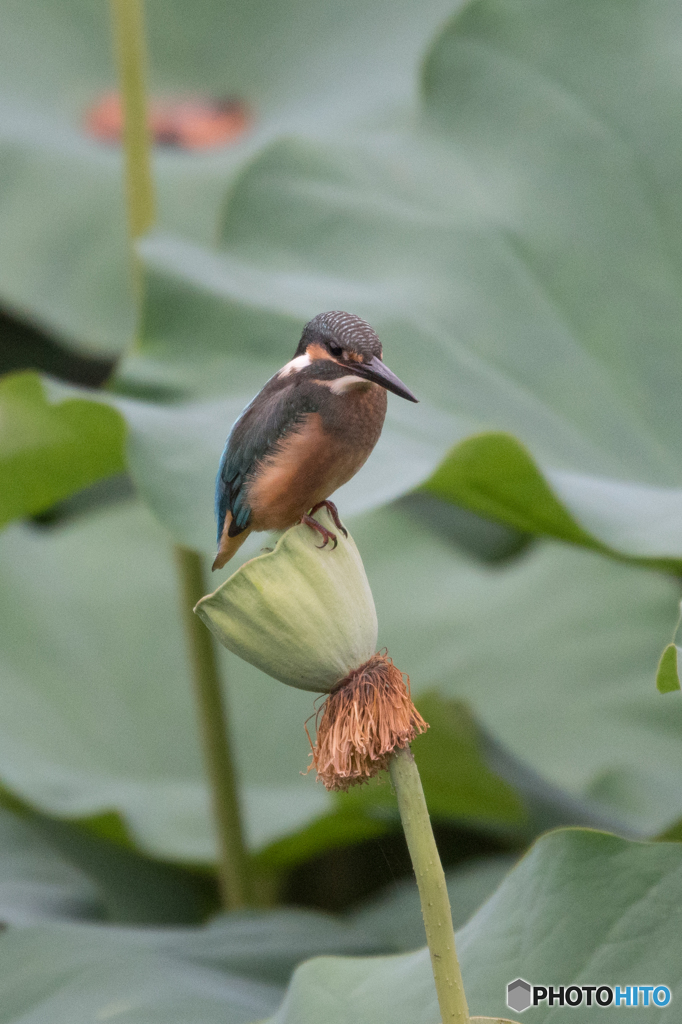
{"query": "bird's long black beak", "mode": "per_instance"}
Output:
(377, 371)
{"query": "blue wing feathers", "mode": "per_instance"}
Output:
(229, 497)
(272, 413)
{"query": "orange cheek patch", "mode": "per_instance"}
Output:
(353, 357)
(318, 352)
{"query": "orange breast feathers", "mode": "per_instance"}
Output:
(305, 467)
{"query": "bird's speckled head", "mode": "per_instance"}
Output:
(342, 336)
(344, 352)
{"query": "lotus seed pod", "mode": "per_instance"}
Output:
(303, 614)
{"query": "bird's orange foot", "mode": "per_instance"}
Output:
(327, 535)
(333, 512)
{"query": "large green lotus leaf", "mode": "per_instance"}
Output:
(668, 674)
(52, 869)
(36, 881)
(310, 69)
(469, 777)
(459, 785)
(133, 888)
(98, 701)
(74, 977)
(581, 908)
(458, 782)
(556, 656)
(96, 723)
(419, 226)
(230, 971)
(396, 914)
(514, 242)
(470, 790)
(49, 451)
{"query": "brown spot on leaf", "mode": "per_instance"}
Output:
(193, 124)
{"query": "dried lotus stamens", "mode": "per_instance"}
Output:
(367, 715)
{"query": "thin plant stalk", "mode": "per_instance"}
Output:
(128, 23)
(233, 868)
(433, 892)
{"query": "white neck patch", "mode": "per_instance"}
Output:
(347, 383)
(294, 365)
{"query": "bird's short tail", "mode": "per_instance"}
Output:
(229, 546)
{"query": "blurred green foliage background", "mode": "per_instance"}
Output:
(495, 186)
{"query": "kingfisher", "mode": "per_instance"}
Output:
(308, 431)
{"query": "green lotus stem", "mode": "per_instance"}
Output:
(233, 866)
(433, 892)
(128, 25)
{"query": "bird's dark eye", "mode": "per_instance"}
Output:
(336, 351)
